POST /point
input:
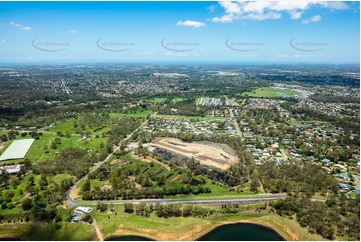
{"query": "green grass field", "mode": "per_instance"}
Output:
(67, 126)
(135, 114)
(269, 92)
(177, 100)
(159, 100)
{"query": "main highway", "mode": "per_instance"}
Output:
(204, 201)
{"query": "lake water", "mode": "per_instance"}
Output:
(229, 232)
(242, 232)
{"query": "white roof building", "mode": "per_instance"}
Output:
(84, 209)
(17, 149)
(10, 169)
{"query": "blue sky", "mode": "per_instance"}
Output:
(280, 32)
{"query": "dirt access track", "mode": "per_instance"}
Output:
(207, 153)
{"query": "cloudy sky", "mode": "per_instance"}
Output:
(282, 31)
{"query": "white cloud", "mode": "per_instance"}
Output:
(228, 18)
(311, 20)
(231, 7)
(212, 8)
(20, 26)
(3, 41)
(190, 23)
(295, 14)
(334, 5)
(72, 31)
(26, 28)
(262, 16)
(261, 10)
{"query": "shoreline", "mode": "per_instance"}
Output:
(199, 234)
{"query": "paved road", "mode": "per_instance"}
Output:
(240, 199)
(94, 168)
(238, 131)
(202, 201)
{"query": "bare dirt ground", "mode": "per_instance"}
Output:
(74, 193)
(107, 186)
(97, 230)
(161, 236)
(23, 198)
(290, 232)
(207, 153)
(115, 161)
(174, 178)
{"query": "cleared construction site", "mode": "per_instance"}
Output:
(207, 153)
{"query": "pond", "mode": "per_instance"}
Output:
(242, 232)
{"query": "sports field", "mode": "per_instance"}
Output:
(270, 92)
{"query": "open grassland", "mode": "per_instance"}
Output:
(95, 124)
(177, 100)
(67, 127)
(269, 92)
